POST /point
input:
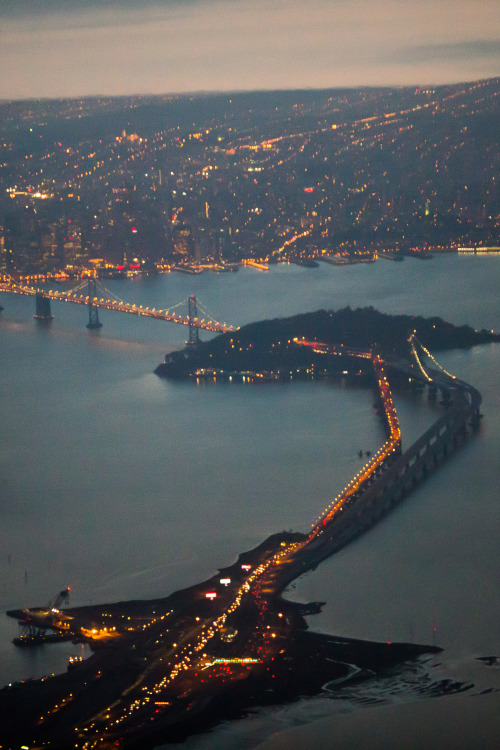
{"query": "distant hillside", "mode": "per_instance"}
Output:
(268, 344)
(285, 175)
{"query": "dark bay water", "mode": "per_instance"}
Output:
(126, 486)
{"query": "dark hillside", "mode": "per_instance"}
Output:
(269, 344)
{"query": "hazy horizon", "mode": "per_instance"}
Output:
(68, 49)
(236, 92)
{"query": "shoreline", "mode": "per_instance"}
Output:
(113, 667)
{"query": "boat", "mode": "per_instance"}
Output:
(306, 262)
(187, 269)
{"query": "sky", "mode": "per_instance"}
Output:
(72, 48)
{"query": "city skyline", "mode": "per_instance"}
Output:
(275, 176)
(69, 49)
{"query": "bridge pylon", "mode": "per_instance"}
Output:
(194, 335)
(94, 321)
(43, 311)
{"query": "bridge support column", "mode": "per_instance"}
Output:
(476, 420)
(445, 397)
(94, 321)
(43, 311)
(194, 336)
(439, 456)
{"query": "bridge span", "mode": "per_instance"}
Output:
(391, 474)
(109, 302)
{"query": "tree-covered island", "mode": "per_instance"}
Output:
(269, 348)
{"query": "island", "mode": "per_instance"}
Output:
(269, 347)
(167, 668)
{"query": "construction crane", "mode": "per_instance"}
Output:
(62, 597)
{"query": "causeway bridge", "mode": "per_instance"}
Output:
(391, 474)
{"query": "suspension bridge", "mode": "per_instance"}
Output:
(95, 296)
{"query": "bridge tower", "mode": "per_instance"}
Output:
(194, 336)
(43, 311)
(94, 321)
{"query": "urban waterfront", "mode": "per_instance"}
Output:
(124, 486)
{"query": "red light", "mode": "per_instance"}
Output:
(134, 230)
(120, 268)
(308, 190)
(135, 265)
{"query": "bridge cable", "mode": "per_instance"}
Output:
(210, 317)
(434, 360)
(416, 357)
